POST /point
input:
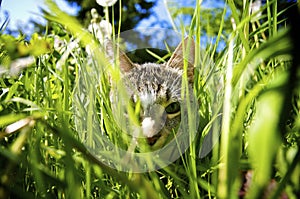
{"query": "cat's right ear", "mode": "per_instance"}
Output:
(178, 57)
(112, 51)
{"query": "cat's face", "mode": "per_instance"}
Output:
(154, 90)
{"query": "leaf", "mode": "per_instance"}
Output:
(8, 119)
(264, 139)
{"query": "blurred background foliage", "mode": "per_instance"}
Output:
(132, 12)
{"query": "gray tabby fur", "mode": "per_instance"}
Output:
(156, 86)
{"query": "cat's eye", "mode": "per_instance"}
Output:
(172, 108)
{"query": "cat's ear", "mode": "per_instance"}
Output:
(184, 51)
(111, 50)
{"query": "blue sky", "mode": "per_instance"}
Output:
(20, 11)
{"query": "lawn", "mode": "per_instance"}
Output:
(58, 132)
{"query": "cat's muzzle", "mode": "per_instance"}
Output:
(153, 123)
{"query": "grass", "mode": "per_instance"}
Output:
(249, 110)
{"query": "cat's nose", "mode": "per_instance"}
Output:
(154, 121)
(148, 127)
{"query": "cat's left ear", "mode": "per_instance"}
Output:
(184, 51)
(125, 63)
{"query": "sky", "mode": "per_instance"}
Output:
(20, 11)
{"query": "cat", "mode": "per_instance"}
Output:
(154, 90)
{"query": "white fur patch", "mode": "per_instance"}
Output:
(147, 98)
(148, 127)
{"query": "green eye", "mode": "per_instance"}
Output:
(172, 108)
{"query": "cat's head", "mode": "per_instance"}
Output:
(154, 91)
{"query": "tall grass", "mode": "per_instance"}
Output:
(248, 109)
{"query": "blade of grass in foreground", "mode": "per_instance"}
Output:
(225, 182)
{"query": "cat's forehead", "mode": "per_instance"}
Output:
(157, 73)
(154, 82)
